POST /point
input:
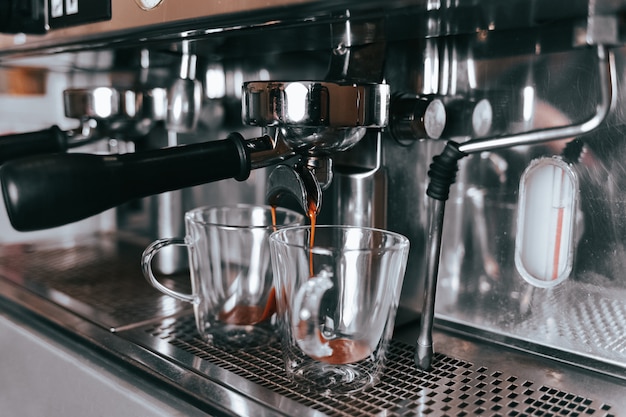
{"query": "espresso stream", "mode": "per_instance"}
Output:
(344, 350)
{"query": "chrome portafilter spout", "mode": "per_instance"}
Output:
(296, 181)
(315, 119)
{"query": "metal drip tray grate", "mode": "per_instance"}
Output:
(576, 318)
(452, 388)
(101, 281)
(587, 317)
(103, 284)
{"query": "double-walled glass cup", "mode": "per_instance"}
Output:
(231, 274)
(337, 290)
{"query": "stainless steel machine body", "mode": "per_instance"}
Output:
(461, 71)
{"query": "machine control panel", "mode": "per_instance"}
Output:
(40, 16)
(64, 13)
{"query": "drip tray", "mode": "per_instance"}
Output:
(454, 387)
(96, 293)
(100, 280)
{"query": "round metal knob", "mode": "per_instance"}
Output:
(468, 117)
(417, 118)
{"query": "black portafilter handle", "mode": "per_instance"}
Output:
(45, 191)
(18, 145)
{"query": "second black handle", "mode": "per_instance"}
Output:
(45, 191)
(44, 141)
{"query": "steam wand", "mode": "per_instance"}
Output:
(442, 175)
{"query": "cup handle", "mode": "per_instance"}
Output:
(306, 316)
(146, 267)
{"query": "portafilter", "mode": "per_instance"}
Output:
(311, 119)
(102, 111)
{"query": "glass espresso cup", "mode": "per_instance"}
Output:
(337, 290)
(231, 274)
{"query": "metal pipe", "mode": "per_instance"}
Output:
(608, 87)
(424, 349)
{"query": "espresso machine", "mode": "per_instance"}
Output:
(489, 133)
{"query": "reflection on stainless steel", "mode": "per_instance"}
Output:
(607, 90)
(112, 303)
(120, 111)
(468, 118)
(318, 117)
(102, 103)
(103, 112)
(510, 82)
(489, 263)
(183, 101)
(184, 96)
(359, 190)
